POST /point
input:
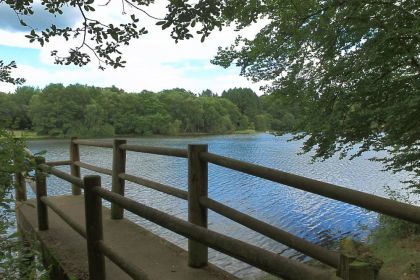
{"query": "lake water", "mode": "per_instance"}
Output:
(320, 220)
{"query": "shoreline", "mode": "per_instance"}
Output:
(31, 135)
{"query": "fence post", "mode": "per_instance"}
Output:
(20, 187)
(118, 184)
(41, 190)
(356, 263)
(94, 232)
(20, 184)
(74, 169)
(351, 269)
(197, 214)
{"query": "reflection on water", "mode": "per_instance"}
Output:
(310, 216)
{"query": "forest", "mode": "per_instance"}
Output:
(87, 111)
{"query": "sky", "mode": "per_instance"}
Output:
(154, 61)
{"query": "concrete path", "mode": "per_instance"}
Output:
(64, 246)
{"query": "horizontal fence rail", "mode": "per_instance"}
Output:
(99, 144)
(195, 229)
(58, 163)
(155, 185)
(317, 252)
(63, 175)
(80, 230)
(155, 150)
(132, 270)
(260, 258)
(368, 201)
(93, 168)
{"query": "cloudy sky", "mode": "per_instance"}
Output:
(154, 62)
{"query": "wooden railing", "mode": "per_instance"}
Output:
(195, 229)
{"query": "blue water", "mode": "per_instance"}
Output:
(315, 218)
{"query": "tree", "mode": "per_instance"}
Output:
(284, 111)
(246, 100)
(6, 110)
(208, 93)
(353, 68)
(102, 39)
(21, 99)
(62, 111)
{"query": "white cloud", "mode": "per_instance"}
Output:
(16, 39)
(150, 61)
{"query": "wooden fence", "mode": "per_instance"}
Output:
(195, 229)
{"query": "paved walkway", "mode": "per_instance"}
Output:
(155, 256)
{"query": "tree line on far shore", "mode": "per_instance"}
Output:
(87, 111)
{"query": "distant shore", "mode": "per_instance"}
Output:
(32, 135)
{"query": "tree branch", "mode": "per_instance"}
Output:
(141, 10)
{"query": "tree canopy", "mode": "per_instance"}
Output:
(102, 38)
(87, 111)
(351, 67)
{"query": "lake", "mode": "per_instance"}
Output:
(320, 220)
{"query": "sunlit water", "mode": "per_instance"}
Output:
(315, 218)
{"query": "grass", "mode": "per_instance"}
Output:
(245, 131)
(28, 134)
(397, 244)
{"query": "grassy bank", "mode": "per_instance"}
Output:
(397, 244)
(246, 131)
(28, 134)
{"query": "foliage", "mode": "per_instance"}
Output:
(283, 110)
(5, 73)
(353, 67)
(13, 158)
(246, 100)
(59, 111)
(208, 93)
(395, 242)
(16, 262)
(263, 122)
(14, 108)
(392, 228)
(103, 39)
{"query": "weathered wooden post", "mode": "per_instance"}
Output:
(118, 184)
(20, 187)
(94, 232)
(74, 169)
(41, 190)
(197, 214)
(356, 262)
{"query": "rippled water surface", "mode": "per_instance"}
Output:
(310, 216)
